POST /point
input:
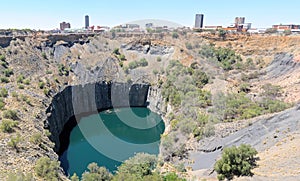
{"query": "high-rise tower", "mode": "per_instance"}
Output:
(199, 21)
(87, 21)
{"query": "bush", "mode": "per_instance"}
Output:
(158, 59)
(8, 72)
(175, 35)
(10, 114)
(2, 58)
(41, 84)
(4, 80)
(140, 165)
(236, 161)
(122, 57)
(96, 173)
(63, 70)
(14, 141)
(8, 125)
(27, 81)
(188, 46)
(20, 78)
(143, 62)
(2, 104)
(20, 86)
(46, 168)
(116, 51)
(3, 92)
(36, 138)
(44, 55)
(271, 91)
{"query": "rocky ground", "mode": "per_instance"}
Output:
(61, 63)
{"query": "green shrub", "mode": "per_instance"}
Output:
(46, 92)
(133, 65)
(143, 62)
(10, 114)
(27, 81)
(8, 125)
(96, 173)
(41, 84)
(74, 177)
(158, 59)
(44, 55)
(48, 72)
(8, 72)
(188, 46)
(175, 35)
(3, 92)
(116, 51)
(271, 91)
(20, 78)
(20, 86)
(122, 57)
(14, 141)
(4, 79)
(236, 161)
(36, 138)
(140, 165)
(2, 103)
(63, 70)
(2, 58)
(47, 169)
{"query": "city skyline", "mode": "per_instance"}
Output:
(47, 14)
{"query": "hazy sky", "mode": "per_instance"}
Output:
(47, 14)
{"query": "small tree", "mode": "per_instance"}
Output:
(47, 169)
(222, 34)
(236, 161)
(175, 35)
(96, 173)
(140, 165)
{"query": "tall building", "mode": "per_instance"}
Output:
(87, 21)
(199, 21)
(64, 25)
(239, 20)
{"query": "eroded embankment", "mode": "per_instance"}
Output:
(76, 101)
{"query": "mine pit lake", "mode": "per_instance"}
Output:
(111, 137)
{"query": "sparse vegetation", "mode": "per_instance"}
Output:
(14, 142)
(10, 114)
(8, 125)
(2, 103)
(4, 79)
(36, 138)
(135, 64)
(3, 92)
(63, 70)
(8, 72)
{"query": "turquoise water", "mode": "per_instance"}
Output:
(110, 137)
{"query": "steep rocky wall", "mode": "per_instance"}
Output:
(79, 100)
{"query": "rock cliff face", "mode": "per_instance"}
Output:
(76, 101)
